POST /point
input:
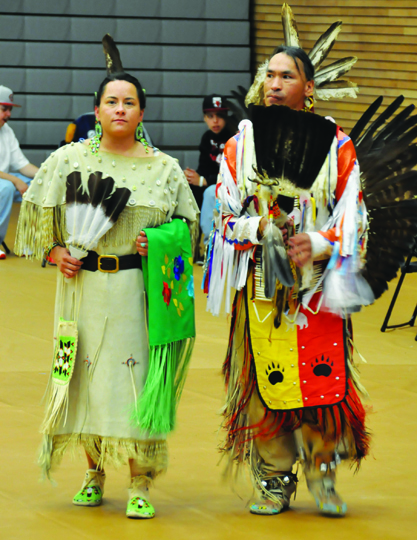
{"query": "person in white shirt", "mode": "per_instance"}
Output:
(12, 186)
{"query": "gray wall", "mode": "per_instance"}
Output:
(52, 58)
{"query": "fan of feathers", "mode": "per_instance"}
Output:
(91, 210)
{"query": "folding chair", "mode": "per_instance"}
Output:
(408, 268)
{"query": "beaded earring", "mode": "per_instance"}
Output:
(95, 141)
(141, 138)
(99, 129)
(309, 104)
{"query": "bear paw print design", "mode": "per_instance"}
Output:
(275, 374)
(322, 368)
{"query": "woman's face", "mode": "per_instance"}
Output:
(119, 111)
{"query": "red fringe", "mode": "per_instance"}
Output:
(320, 420)
(338, 421)
(226, 363)
(355, 416)
(348, 419)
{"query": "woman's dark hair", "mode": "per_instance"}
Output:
(296, 53)
(121, 76)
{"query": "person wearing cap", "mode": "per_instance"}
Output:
(203, 180)
(12, 186)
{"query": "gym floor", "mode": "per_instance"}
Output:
(191, 500)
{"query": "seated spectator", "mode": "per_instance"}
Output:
(12, 186)
(203, 180)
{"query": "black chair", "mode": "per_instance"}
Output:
(408, 268)
(6, 249)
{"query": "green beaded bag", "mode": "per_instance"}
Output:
(61, 373)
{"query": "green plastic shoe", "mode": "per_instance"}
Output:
(91, 492)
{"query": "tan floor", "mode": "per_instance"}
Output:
(191, 500)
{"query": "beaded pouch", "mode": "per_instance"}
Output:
(62, 370)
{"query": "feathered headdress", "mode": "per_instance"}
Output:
(328, 84)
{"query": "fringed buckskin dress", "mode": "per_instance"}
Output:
(111, 363)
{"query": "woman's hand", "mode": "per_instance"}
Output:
(193, 177)
(300, 249)
(68, 265)
(142, 244)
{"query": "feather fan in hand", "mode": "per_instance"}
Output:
(276, 265)
(291, 144)
(91, 212)
(387, 157)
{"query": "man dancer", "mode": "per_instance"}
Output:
(291, 383)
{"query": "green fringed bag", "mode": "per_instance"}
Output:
(169, 285)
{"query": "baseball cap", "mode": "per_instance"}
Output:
(214, 102)
(6, 97)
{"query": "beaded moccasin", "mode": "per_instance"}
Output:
(91, 492)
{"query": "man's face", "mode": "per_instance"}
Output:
(214, 122)
(5, 113)
(285, 84)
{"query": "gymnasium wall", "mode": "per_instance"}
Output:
(381, 33)
(52, 58)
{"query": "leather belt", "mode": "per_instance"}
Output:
(110, 264)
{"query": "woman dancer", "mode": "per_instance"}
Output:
(100, 400)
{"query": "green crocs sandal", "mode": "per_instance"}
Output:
(91, 492)
(139, 508)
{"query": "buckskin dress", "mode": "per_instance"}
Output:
(112, 356)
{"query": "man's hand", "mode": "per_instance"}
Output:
(193, 177)
(68, 265)
(289, 224)
(300, 249)
(142, 244)
(284, 230)
(20, 185)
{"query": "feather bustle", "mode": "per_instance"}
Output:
(387, 155)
